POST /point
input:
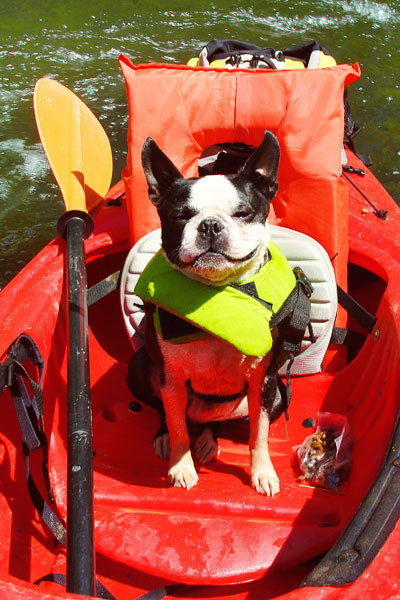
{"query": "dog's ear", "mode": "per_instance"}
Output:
(262, 166)
(159, 170)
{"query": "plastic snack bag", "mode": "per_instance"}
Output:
(324, 457)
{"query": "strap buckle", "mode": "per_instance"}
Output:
(8, 366)
(302, 278)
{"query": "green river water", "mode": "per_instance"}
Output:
(78, 42)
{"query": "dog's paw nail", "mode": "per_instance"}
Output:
(183, 476)
(266, 483)
(183, 480)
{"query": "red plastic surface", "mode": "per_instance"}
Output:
(221, 531)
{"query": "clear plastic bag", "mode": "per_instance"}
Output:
(324, 457)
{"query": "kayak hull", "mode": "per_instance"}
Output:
(221, 533)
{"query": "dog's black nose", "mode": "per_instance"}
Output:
(210, 228)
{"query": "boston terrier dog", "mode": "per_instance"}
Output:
(215, 232)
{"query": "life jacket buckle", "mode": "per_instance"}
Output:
(302, 278)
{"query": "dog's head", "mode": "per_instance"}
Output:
(214, 229)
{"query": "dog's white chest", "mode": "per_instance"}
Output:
(199, 411)
(213, 367)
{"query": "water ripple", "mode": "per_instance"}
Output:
(81, 51)
(380, 12)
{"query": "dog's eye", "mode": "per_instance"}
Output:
(242, 214)
(183, 215)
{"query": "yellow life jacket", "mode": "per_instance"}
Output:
(241, 314)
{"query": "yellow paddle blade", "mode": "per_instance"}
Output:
(75, 143)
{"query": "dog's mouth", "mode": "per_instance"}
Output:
(213, 257)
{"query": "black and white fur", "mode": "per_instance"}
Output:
(214, 230)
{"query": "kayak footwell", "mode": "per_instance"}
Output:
(220, 531)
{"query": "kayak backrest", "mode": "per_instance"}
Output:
(186, 110)
(300, 250)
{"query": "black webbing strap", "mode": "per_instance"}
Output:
(294, 315)
(347, 337)
(352, 339)
(21, 349)
(358, 312)
(162, 592)
(102, 592)
(293, 318)
(60, 579)
(285, 390)
(30, 414)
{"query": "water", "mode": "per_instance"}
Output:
(78, 43)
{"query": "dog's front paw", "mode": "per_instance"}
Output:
(266, 482)
(206, 448)
(263, 476)
(161, 446)
(182, 473)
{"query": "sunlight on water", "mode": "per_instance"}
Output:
(79, 44)
(378, 13)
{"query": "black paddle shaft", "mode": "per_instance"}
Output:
(75, 226)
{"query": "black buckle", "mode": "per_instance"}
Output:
(8, 366)
(353, 170)
(302, 278)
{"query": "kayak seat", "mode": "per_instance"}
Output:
(300, 251)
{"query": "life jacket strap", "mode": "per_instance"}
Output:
(285, 390)
(293, 317)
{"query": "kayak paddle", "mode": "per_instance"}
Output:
(79, 154)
